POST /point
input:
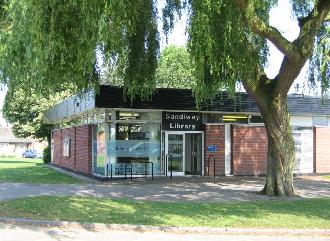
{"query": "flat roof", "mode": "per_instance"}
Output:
(165, 99)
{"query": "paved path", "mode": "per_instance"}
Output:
(23, 233)
(200, 189)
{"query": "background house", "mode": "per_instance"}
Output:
(10, 145)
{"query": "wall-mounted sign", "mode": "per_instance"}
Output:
(182, 121)
(212, 148)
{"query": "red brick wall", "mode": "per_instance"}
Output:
(215, 135)
(84, 155)
(80, 158)
(321, 150)
(249, 150)
(57, 151)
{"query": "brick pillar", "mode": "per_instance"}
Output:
(215, 135)
(84, 149)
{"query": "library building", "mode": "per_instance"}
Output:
(101, 135)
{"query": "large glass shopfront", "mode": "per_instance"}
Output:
(127, 138)
(134, 143)
(171, 141)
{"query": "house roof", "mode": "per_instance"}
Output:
(7, 136)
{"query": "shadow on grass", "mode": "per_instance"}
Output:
(306, 213)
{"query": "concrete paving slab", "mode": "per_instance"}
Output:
(224, 189)
(23, 233)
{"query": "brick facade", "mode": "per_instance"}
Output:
(249, 150)
(84, 155)
(321, 150)
(80, 159)
(215, 135)
(57, 145)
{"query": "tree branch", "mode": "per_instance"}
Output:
(310, 25)
(262, 29)
(304, 44)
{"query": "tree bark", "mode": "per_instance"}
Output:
(281, 149)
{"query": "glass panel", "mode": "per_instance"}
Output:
(128, 115)
(197, 153)
(175, 147)
(134, 143)
(256, 119)
(124, 115)
(213, 118)
(151, 116)
(99, 117)
(99, 149)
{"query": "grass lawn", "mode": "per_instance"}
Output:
(30, 171)
(303, 213)
(327, 177)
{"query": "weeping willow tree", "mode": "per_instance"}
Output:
(48, 43)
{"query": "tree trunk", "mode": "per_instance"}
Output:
(281, 150)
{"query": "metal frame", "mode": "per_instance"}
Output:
(183, 151)
(184, 142)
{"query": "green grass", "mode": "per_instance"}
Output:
(327, 177)
(25, 170)
(303, 213)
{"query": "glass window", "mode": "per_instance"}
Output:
(66, 146)
(128, 115)
(134, 143)
(99, 117)
(99, 148)
(256, 119)
(213, 118)
(124, 115)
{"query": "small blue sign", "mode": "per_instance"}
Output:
(212, 148)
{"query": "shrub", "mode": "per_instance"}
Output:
(47, 154)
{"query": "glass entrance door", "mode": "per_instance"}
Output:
(196, 153)
(174, 146)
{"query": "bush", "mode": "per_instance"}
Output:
(47, 155)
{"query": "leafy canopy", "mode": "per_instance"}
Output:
(48, 43)
(24, 108)
(175, 68)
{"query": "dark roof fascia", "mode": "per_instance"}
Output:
(174, 99)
